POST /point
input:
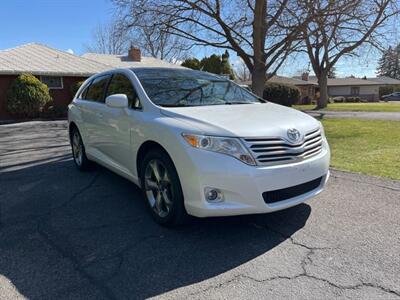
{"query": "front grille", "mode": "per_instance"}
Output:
(291, 192)
(276, 150)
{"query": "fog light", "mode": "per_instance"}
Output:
(213, 195)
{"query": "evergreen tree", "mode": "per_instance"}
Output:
(211, 64)
(214, 63)
(389, 63)
(226, 68)
(192, 63)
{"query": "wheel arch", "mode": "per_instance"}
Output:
(145, 148)
(72, 125)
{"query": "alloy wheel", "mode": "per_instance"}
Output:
(158, 188)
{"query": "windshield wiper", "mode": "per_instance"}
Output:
(174, 105)
(233, 103)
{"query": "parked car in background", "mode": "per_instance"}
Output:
(197, 143)
(392, 97)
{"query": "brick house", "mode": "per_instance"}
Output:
(307, 89)
(61, 70)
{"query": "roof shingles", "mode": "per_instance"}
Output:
(121, 61)
(42, 60)
(39, 59)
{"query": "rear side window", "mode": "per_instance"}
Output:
(82, 95)
(120, 84)
(96, 90)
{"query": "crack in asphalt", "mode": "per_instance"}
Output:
(304, 274)
(364, 182)
(129, 247)
(69, 256)
(307, 260)
(78, 266)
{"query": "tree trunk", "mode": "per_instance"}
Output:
(258, 78)
(323, 91)
(258, 75)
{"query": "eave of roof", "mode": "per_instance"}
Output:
(50, 73)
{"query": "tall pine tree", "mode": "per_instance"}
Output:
(389, 63)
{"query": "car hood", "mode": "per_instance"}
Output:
(245, 120)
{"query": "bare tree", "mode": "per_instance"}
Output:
(241, 71)
(337, 28)
(262, 33)
(156, 42)
(108, 39)
(116, 38)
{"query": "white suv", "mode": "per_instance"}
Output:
(197, 143)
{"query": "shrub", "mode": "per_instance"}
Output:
(281, 93)
(353, 99)
(75, 87)
(27, 96)
(338, 99)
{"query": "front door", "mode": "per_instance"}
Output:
(120, 122)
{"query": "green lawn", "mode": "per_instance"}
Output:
(365, 146)
(378, 107)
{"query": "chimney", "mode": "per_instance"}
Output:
(134, 54)
(304, 76)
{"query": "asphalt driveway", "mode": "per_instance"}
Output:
(71, 235)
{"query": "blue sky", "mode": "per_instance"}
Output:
(68, 24)
(63, 24)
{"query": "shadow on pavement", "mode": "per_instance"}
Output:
(66, 234)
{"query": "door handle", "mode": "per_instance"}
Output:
(100, 115)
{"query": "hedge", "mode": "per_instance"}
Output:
(283, 94)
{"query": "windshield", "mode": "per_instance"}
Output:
(176, 87)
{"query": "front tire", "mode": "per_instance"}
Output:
(78, 151)
(162, 189)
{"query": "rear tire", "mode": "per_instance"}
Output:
(78, 151)
(162, 189)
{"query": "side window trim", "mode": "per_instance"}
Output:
(107, 86)
(140, 108)
(104, 88)
(82, 95)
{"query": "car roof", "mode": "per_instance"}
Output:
(143, 73)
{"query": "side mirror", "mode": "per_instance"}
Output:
(117, 101)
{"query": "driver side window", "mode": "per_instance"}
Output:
(120, 84)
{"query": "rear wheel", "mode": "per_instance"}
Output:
(162, 189)
(78, 151)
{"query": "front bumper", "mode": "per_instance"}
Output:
(242, 185)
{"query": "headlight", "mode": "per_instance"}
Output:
(224, 145)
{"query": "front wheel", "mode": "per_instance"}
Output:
(162, 189)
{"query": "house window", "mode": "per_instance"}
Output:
(355, 91)
(53, 82)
